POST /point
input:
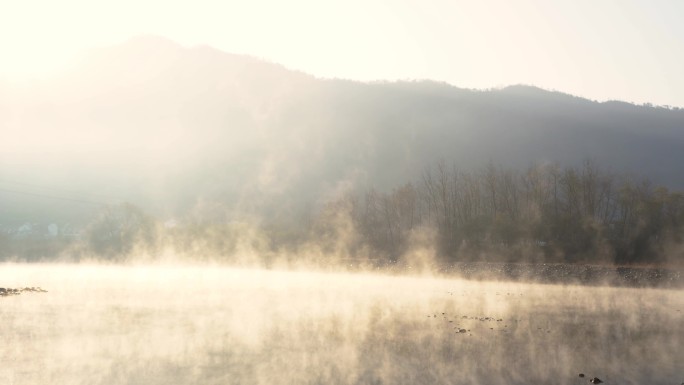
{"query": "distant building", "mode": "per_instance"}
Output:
(52, 230)
(27, 230)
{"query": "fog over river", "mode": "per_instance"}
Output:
(219, 325)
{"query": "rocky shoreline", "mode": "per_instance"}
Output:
(570, 274)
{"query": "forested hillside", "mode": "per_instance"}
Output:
(195, 135)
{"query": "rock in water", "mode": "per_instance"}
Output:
(6, 291)
(595, 380)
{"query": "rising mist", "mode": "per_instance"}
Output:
(217, 325)
(203, 217)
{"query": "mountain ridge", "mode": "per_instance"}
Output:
(177, 126)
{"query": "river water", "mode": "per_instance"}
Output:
(219, 325)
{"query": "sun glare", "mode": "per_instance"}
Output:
(33, 61)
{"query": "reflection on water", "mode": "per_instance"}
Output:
(217, 325)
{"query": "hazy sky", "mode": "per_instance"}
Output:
(629, 49)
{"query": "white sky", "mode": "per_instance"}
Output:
(628, 49)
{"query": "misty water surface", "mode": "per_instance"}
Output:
(216, 325)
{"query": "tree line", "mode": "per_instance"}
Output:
(546, 213)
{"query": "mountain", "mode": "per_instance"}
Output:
(178, 129)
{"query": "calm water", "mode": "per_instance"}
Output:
(216, 325)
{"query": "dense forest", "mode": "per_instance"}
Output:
(544, 214)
